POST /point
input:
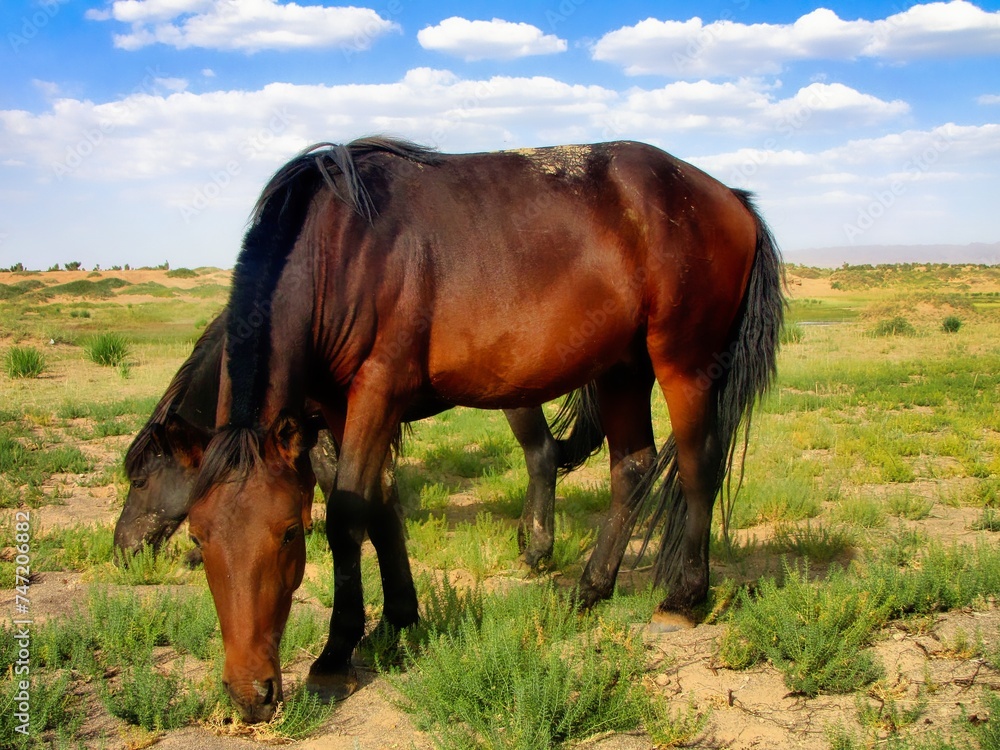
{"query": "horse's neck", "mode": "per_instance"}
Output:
(199, 401)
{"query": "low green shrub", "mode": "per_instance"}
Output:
(896, 326)
(791, 333)
(24, 362)
(532, 673)
(814, 634)
(182, 273)
(108, 349)
(153, 700)
(951, 324)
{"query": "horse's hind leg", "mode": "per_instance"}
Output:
(683, 561)
(623, 395)
(536, 530)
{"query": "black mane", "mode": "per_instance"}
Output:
(275, 223)
(330, 159)
(143, 448)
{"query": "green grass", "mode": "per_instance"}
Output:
(108, 349)
(862, 440)
(77, 547)
(127, 626)
(23, 362)
(951, 324)
(791, 333)
(83, 288)
(301, 714)
(818, 544)
(909, 506)
(895, 326)
(155, 700)
(146, 568)
(181, 273)
(484, 548)
(530, 674)
(861, 512)
(817, 633)
(305, 635)
(11, 291)
(989, 520)
(52, 707)
(25, 467)
(880, 719)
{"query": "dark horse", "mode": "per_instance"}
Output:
(383, 280)
(163, 459)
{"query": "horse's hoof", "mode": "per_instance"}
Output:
(537, 562)
(333, 687)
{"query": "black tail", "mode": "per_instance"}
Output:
(580, 416)
(753, 369)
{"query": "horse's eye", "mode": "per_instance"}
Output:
(195, 541)
(290, 535)
(139, 483)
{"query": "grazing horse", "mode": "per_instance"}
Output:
(163, 459)
(381, 280)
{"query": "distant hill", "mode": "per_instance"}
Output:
(834, 257)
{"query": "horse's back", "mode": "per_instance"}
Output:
(538, 261)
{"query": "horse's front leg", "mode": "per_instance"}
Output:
(372, 422)
(388, 535)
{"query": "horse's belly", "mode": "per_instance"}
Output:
(511, 360)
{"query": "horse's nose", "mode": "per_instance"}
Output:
(257, 707)
(265, 691)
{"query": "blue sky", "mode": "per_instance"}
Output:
(138, 131)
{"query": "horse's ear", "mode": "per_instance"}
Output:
(187, 443)
(159, 439)
(285, 442)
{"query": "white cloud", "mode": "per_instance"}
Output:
(748, 107)
(693, 49)
(171, 84)
(153, 155)
(161, 129)
(49, 89)
(907, 187)
(988, 99)
(245, 25)
(488, 40)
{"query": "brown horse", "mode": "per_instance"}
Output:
(382, 280)
(163, 459)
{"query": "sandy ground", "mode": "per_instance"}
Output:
(746, 709)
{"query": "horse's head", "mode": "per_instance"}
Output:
(161, 465)
(253, 503)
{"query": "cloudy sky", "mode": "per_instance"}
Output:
(138, 131)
